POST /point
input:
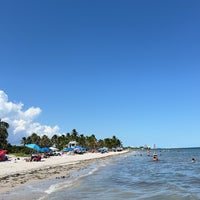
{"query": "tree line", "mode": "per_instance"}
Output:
(60, 141)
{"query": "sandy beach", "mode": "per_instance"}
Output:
(17, 171)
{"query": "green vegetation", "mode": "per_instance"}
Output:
(3, 134)
(60, 142)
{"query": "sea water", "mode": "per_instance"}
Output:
(130, 176)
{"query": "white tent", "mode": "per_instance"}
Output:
(53, 148)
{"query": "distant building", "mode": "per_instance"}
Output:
(145, 146)
(72, 144)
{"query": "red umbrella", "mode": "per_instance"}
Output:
(2, 152)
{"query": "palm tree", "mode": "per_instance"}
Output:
(54, 140)
(108, 142)
(116, 142)
(45, 141)
(4, 124)
(91, 141)
(74, 135)
(3, 134)
(100, 143)
(34, 138)
(82, 140)
(24, 141)
(61, 142)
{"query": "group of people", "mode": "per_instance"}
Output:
(155, 156)
(34, 158)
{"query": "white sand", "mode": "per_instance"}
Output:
(14, 172)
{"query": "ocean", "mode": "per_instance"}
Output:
(129, 176)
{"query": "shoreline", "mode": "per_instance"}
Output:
(16, 173)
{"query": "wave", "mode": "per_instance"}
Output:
(74, 180)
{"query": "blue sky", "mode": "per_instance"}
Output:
(125, 68)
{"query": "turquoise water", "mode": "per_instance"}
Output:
(130, 176)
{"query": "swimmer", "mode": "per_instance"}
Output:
(193, 159)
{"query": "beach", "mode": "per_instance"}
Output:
(114, 176)
(17, 171)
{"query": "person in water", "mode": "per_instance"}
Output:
(193, 159)
(155, 157)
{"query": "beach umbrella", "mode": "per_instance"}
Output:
(2, 152)
(45, 149)
(77, 147)
(34, 147)
(2, 155)
(53, 149)
(69, 149)
(103, 149)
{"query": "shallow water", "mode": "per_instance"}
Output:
(130, 176)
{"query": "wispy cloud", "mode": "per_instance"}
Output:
(22, 122)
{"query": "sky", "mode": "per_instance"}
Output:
(111, 67)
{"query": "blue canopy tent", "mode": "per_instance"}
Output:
(34, 147)
(103, 149)
(68, 149)
(77, 148)
(45, 149)
(84, 149)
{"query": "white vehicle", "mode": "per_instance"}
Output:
(57, 153)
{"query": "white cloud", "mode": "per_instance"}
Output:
(22, 123)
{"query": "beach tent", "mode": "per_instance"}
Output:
(103, 149)
(45, 149)
(3, 152)
(77, 148)
(68, 149)
(34, 147)
(53, 149)
(3, 157)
